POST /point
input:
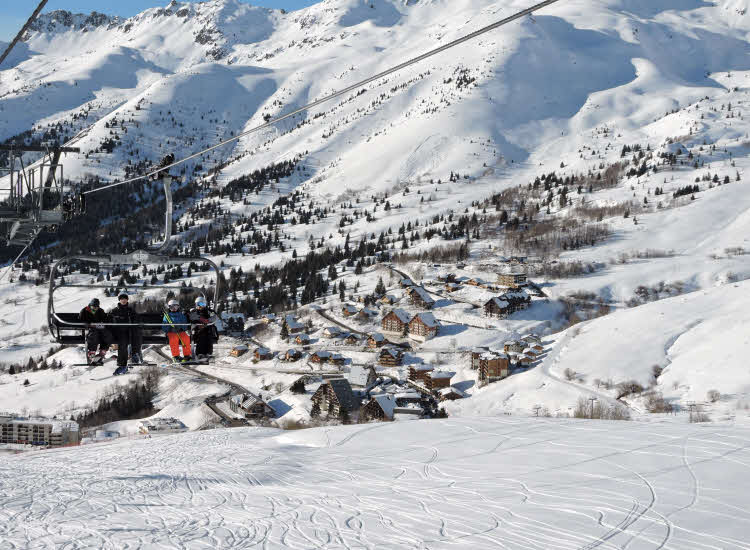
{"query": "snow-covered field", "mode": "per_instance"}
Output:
(460, 483)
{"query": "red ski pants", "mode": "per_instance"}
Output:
(177, 338)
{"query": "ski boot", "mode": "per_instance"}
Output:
(121, 369)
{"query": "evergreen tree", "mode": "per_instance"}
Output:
(284, 332)
(380, 287)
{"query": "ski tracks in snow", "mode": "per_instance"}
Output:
(480, 483)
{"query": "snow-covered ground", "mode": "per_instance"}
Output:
(497, 482)
(573, 84)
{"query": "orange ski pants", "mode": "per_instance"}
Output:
(177, 338)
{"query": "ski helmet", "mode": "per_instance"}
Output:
(173, 303)
(94, 302)
(123, 295)
(200, 301)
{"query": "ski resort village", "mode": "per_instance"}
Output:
(367, 274)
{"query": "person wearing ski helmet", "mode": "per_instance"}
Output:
(128, 334)
(204, 329)
(175, 324)
(98, 335)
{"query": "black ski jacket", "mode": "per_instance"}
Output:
(202, 317)
(90, 317)
(124, 314)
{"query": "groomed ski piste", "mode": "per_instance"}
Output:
(500, 482)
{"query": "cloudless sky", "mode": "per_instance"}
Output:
(14, 13)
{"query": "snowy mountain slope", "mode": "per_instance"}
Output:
(479, 483)
(699, 340)
(576, 78)
(589, 53)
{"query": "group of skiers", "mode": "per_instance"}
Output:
(125, 325)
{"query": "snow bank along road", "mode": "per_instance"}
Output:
(458, 483)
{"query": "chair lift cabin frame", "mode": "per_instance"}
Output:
(66, 328)
(35, 198)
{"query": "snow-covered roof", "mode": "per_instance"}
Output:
(490, 355)
(332, 330)
(358, 375)
(291, 322)
(408, 395)
(422, 293)
(241, 347)
(427, 318)
(403, 316)
(441, 374)
(262, 351)
(392, 351)
(246, 400)
(323, 354)
(350, 308)
(519, 294)
(498, 302)
(377, 337)
(422, 368)
(387, 402)
(451, 389)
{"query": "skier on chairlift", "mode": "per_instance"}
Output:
(202, 317)
(98, 335)
(175, 324)
(125, 335)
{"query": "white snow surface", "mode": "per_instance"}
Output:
(460, 483)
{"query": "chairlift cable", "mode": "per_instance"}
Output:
(18, 37)
(339, 93)
(10, 266)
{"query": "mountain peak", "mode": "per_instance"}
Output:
(63, 20)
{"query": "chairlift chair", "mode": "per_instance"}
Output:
(66, 328)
